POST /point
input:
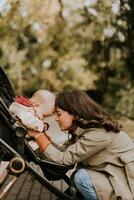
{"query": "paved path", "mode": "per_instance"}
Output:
(28, 188)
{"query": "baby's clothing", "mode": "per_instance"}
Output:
(28, 115)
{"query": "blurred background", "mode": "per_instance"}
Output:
(63, 44)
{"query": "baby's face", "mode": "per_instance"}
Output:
(45, 106)
(49, 111)
(46, 110)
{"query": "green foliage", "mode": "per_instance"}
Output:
(92, 47)
(111, 55)
(125, 105)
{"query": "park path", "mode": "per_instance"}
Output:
(28, 188)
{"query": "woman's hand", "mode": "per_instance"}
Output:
(41, 139)
(32, 133)
(35, 134)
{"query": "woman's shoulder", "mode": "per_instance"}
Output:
(124, 137)
(99, 133)
(95, 133)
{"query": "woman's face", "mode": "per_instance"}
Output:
(64, 119)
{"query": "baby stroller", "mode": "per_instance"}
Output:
(15, 148)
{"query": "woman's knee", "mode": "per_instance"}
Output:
(82, 177)
(77, 177)
(83, 183)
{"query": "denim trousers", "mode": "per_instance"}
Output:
(83, 183)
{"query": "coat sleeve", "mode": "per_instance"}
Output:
(64, 146)
(86, 146)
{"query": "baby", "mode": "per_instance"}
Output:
(31, 112)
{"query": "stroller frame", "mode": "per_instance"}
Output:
(19, 159)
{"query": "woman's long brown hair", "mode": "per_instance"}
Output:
(88, 114)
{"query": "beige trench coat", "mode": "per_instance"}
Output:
(108, 157)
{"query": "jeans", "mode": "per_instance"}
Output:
(83, 183)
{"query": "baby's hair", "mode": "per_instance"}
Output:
(46, 100)
(43, 95)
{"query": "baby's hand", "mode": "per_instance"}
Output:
(46, 126)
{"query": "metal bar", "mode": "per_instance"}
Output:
(40, 178)
(3, 176)
(13, 152)
(10, 116)
(48, 185)
(8, 186)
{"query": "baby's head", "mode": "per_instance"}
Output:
(45, 100)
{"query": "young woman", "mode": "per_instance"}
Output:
(103, 153)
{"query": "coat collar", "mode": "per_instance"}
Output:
(80, 131)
